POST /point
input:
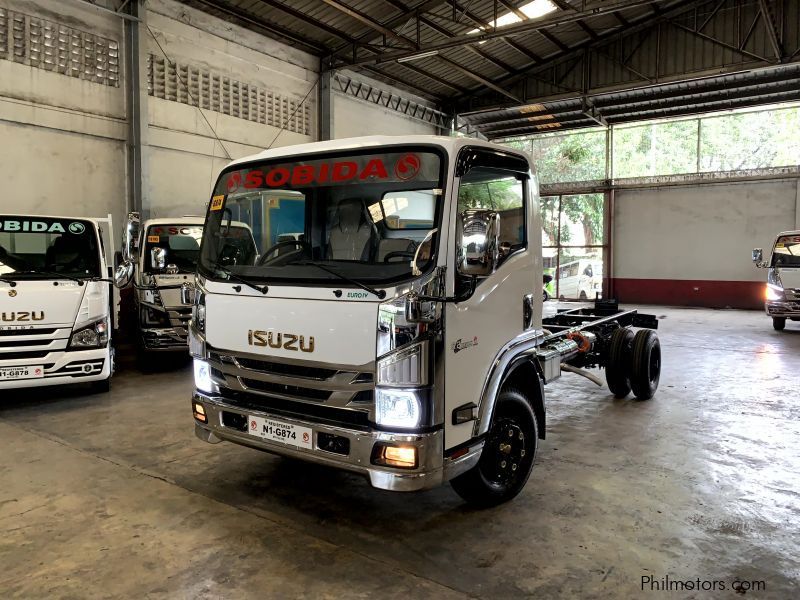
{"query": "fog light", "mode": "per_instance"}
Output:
(200, 413)
(402, 457)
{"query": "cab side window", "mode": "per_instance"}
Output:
(502, 191)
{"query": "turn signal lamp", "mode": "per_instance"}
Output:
(200, 413)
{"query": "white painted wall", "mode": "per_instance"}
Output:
(703, 232)
(353, 117)
(62, 140)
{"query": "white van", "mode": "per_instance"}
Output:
(582, 279)
(55, 302)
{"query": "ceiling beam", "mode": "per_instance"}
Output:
(523, 27)
(368, 21)
(772, 29)
(722, 44)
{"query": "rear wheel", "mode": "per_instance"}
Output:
(507, 457)
(645, 364)
(617, 375)
(778, 323)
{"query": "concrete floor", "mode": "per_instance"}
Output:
(113, 496)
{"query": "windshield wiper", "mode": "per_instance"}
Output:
(259, 288)
(52, 274)
(10, 282)
(381, 294)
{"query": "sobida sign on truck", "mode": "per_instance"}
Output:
(385, 316)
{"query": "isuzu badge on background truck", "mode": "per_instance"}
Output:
(55, 302)
(782, 294)
(388, 320)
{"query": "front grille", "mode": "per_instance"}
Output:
(265, 366)
(27, 332)
(289, 390)
(792, 293)
(23, 355)
(19, 343)
(341, 417)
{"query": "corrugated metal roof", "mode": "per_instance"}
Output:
(589, 49)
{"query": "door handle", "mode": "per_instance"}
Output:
(527, 311)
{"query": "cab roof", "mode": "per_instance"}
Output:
(451, 144)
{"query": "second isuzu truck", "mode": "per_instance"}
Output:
(388, 319)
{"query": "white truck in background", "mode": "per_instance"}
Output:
(782, 292)
(158, 256)
(55, 302)
(398, 331)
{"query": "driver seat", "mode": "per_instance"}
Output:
(350, 237)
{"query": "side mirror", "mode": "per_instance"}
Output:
(188, 293)
(158, 258)
(758, 255)
(477, 242)
(130, 237)
(418, 310)
(123, 274)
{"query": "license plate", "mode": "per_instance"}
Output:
(28, 372)
(278, 431)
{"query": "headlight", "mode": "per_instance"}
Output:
(774, 292)
(91, 336)
(202, 376)
(396, 408)
(199, 311)
(407, 367)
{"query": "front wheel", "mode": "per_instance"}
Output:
(507, 457)
(778, 323)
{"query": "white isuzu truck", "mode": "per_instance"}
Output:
(388, 320)
(55, 302)
(782, 293)
(158, 256)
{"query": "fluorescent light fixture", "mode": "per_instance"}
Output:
(418, 56)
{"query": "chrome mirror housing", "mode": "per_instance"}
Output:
(123, 274)
(158, 258)
(477, 242)
(130, 237)
(418, 310)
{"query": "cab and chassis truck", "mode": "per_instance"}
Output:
(55, 302)
(401, 335)
(782, 292)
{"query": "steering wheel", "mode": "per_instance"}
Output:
(398, 254)
(296, 243)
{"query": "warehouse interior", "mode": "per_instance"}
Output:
(664, 137)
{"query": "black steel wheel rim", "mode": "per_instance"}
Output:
(505, 450)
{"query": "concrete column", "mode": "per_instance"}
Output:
(325, 104)
(135, 49)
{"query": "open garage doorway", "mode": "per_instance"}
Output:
(574, 245)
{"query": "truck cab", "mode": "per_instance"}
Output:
(55, 302)
(782, 291)
(158, 256)
(388, 320)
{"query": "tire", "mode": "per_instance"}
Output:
(545, 296)
(645, 364)
(583, 295)
(101, 387)
(778, 323)
(617, 369)
(508, 454)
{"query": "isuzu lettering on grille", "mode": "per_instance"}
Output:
(287, 341)
(21, 315)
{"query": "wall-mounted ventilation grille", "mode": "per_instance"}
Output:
(211, 91)
(46, 45)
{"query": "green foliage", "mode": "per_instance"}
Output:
(501, 194)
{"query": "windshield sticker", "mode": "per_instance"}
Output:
(77, 227)
(218, 201)
(389, 168)
(153, 239)
(36, 226)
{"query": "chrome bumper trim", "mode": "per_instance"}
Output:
(787, 309)
(430, 448)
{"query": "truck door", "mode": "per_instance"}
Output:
(477, 328)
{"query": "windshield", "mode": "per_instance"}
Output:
(181, 242)
(30, 246)
(361, 216)
(786, 252)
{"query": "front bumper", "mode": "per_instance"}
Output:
(783, 309)
(432, 470)
(165, 339)
(63, 368)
